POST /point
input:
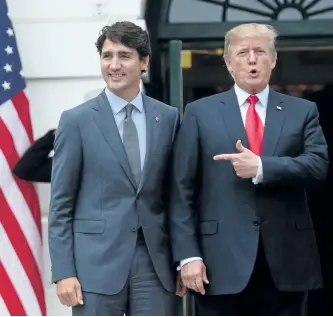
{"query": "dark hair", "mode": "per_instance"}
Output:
(128, 34)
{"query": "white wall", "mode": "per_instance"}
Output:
(56, 43)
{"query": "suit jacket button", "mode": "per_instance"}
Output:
(255, 223)
(133, 229)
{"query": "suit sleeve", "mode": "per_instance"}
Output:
(65, 178)
(311, 165)
(184, 186)
(176, 125)
(167, 174)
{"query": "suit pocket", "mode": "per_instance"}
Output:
(209, 227)
(89, 226)
(303, 224)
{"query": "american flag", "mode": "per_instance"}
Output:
(21, 252)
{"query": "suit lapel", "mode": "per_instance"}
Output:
(104, 119)
(275, 115)
(152, 135)
(232, 118)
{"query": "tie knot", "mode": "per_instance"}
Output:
(129, 109)
(252, 99)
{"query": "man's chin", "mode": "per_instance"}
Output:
(255, 86)
(116, 87)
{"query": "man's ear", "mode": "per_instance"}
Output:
(274, 59)
(227, 63)
(145, 62)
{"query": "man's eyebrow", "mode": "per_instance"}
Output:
(119, 52)
(125, 52)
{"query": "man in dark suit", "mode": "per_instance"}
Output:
(108, 235)
(240, 225)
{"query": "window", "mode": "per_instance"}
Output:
(207, 11)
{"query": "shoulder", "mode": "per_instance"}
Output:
(163, 107)
(202, 103)
(77, 112)
(295, 103)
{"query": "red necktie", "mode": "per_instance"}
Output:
(253, 126)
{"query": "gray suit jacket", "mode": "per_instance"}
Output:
(96, 207)
(219, 216)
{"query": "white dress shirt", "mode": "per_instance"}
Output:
(261, 107)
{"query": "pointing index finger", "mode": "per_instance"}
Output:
(226, 157)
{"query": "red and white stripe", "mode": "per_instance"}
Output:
(21, 250)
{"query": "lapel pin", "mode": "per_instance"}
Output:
(278, 108)
(157, 118)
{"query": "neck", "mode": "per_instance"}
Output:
(252, 90)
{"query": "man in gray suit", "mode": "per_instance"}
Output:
(241, 229)
(108, 233)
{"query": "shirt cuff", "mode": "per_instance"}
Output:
(259, 177)
(188, 260)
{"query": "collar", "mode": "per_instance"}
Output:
(242, 95)
(117, 104)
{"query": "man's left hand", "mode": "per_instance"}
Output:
(244, 162)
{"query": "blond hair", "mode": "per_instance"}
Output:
(249, 29)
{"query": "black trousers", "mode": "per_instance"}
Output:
(259, 298)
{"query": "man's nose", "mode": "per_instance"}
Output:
(115, 63)
(252, 58)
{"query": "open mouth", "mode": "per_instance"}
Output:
(253, 72)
